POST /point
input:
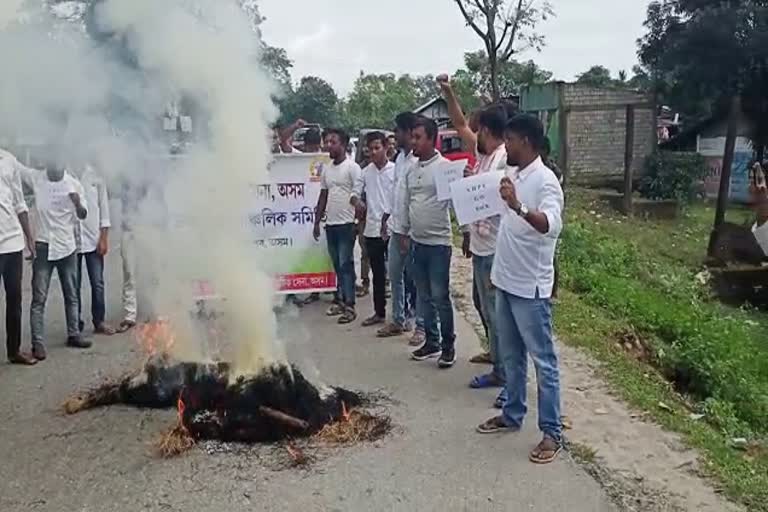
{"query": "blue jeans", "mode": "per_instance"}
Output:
(404, 296)
(486, 294)
(341, 246)
(432, 273)
(94, 263)
(42, 270)
(525, 327)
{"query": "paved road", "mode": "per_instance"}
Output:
(100, 460)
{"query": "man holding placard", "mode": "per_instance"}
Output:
(523, 273)
(427, 220)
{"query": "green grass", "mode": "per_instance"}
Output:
(622, 275)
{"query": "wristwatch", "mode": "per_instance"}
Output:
(522, 211)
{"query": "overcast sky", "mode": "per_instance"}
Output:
(335, 39)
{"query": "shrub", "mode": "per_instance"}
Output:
(671, 175)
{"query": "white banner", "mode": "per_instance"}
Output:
(447, 174)
(477, 197)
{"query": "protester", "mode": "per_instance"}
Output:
(131, 195)
(427, 220)
(60, 204)
(335, 204)
(758, 191)
(391, 147)
(404, 296)
(15, 234)
(523, 274)
(376, 187)
(94, 245)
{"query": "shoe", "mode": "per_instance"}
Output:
(374, 320)
(38, 351)
(78, 342)
(447, 358)
(23, 359)
(418, 338)
(348, 316)
(390, 331)
(425, 353)
(335, 310)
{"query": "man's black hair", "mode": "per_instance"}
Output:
(511, 107)
(494, 118)
(528, 126)
(406, 121)
(374, 136)
(312, 136)
(343, 136)
(429, 125)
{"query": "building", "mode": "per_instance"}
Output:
(587, 128)
(436, 109)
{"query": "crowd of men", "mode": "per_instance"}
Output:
(406, 234)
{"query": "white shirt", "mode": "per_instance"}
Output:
(483, 233)
(12, 204)
(402, 163)
(56, 214)
(340, 181)
(524, 261)
(96, 196)
(378, 187)
(761, 235)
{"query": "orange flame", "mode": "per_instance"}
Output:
(344, 412)
(181, 407)
(156, 337)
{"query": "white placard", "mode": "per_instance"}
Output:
(477, 197)
(447, 174)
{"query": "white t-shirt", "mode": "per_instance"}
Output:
(761, 235)
(524, 261)
(96, 196)
(56, 214)
(340, 181)
(483, 233)
(11, 204)
(378, 186)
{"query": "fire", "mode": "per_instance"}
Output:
(156, 337)
(344, 412)
(181, 408)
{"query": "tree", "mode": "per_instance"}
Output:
(314, 100)
(506, 27)
(702, 53)
(511, 75)
(596, 76)
(375, 100)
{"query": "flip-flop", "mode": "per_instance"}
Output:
(485, 381)
(495, 426)
(125, 326)
(104, 330)
(547, 446)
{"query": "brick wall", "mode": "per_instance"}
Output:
(597, 130)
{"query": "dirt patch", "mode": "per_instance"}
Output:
(641, 466)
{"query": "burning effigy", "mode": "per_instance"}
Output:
(215, 403)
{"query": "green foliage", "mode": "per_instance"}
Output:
(596, 76)
(314, 100)
(375, 100)
(511, 75)
(672, 175)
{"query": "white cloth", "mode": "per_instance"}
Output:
(524, 261)
(378, 187)
(761, 235)
(426, 219)
(12, 204)
(97, 197)
(483, 233)
(402, 163)
(57, 220)
(341, 182)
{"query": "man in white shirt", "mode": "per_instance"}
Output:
(405, 308)
(759, 200)
(376, 186)
(337, 190)
(427, 220)
(94, 244)
(523, 273)
(60, 205)
(14, 231)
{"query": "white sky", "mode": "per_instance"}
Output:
(335, 39)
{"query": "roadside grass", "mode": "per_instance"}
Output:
(699, 356)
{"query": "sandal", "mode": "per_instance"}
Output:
(125, 326)
(546, 451)
(335, 310)
(496, 425)
(348, 317)
(374, 320)
(484, 358)
(23, 359)
(104, 329)
(485, 381)
(390, 331)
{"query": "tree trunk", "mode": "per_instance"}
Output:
(725, 173)
(494, 65)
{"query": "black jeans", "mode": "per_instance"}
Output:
(11, 270)
(94, 263)
(377, 254)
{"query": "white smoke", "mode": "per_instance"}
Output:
(61, 86)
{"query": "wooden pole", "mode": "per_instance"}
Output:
(725, 173)
(629, 154)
